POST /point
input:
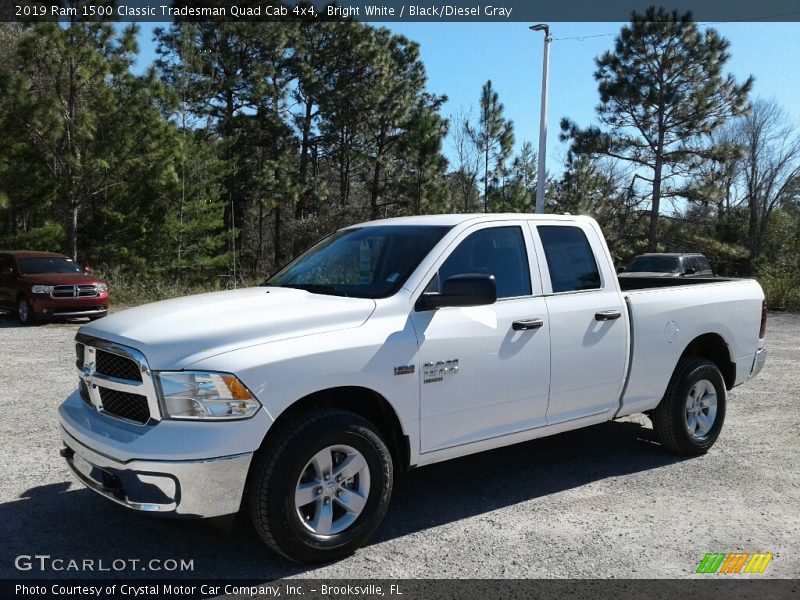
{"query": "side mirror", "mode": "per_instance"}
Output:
(87, 269)
(7, 271)
(461, 290)
(620, 269)
(689, 271)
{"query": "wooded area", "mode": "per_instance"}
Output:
(245, 142)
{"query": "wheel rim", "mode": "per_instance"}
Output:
(701, 408)
(332, 490)
(22, 310)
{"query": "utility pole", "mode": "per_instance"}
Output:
(540, 177)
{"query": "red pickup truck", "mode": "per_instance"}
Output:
(46, 285)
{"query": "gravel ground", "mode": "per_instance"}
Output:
(604, 501)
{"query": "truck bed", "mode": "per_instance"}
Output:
(628, 284)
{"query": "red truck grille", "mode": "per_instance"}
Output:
(74, 291)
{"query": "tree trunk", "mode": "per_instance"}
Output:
(652, 238)
(486, 180)
(301, 202)
(277, 241)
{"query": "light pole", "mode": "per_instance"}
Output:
(540, 177)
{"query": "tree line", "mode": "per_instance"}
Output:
(245, 142)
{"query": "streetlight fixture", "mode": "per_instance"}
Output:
(540, 177)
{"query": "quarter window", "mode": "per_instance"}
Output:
(498, 251)
(570, 259)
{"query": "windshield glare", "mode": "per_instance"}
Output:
(364, 262)
(654, 264)
(34, 266)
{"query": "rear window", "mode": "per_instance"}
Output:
(654, 264)
(570, 260)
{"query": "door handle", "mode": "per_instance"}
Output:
(523, 324)
(607, 315)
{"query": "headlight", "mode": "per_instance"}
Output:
(42, 289)
(102, 287)
(203, 395)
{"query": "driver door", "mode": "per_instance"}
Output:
(485, 369)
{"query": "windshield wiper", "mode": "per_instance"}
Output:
(315, 288)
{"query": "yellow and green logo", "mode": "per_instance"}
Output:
(738, 562)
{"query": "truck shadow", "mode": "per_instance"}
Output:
(65, 521)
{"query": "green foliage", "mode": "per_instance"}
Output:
(49, 237)
(493, 136)
(781, 286)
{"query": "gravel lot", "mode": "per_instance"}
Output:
(601, 502)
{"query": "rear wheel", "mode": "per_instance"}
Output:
(321, 486)
(690, 416)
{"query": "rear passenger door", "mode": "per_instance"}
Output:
(588, 323)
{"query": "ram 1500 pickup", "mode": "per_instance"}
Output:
(389, 345)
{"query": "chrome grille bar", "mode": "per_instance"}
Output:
(94, 380)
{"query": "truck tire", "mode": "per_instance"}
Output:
(24, 311)
(319, 488)
(690, 416)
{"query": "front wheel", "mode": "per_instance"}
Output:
(690, 416)
(320, 488)
(24, 311)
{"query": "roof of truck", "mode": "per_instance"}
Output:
(32, 254)
(456, 219)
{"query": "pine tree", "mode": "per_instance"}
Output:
(661, 92)
(494, 137)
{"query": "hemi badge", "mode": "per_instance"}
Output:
(404, 370)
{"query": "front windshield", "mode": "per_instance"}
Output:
(47, 264)
(364, 262)
(654, 264)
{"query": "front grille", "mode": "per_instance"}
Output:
(84, 391)
(117, 366)
(88, 290)
(124, 404)
(63, 291)
(80, 350)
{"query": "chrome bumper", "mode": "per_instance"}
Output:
(191, 488)
(758, 362)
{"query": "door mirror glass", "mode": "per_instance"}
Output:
(461, 290)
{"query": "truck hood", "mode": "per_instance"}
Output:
(60, 279)
(173, 334)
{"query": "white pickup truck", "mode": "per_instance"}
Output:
(389, 345)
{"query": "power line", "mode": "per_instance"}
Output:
(581, 38)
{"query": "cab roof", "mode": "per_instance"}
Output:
(452, 220)
(32, 254)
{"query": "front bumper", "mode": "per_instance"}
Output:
(69, 308)
(190, 488)
(171, 467)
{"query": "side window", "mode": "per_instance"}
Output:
(691, 262)
(704, 264)
(569, 258)
(498, 251)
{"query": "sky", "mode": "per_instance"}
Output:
(461, 57)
